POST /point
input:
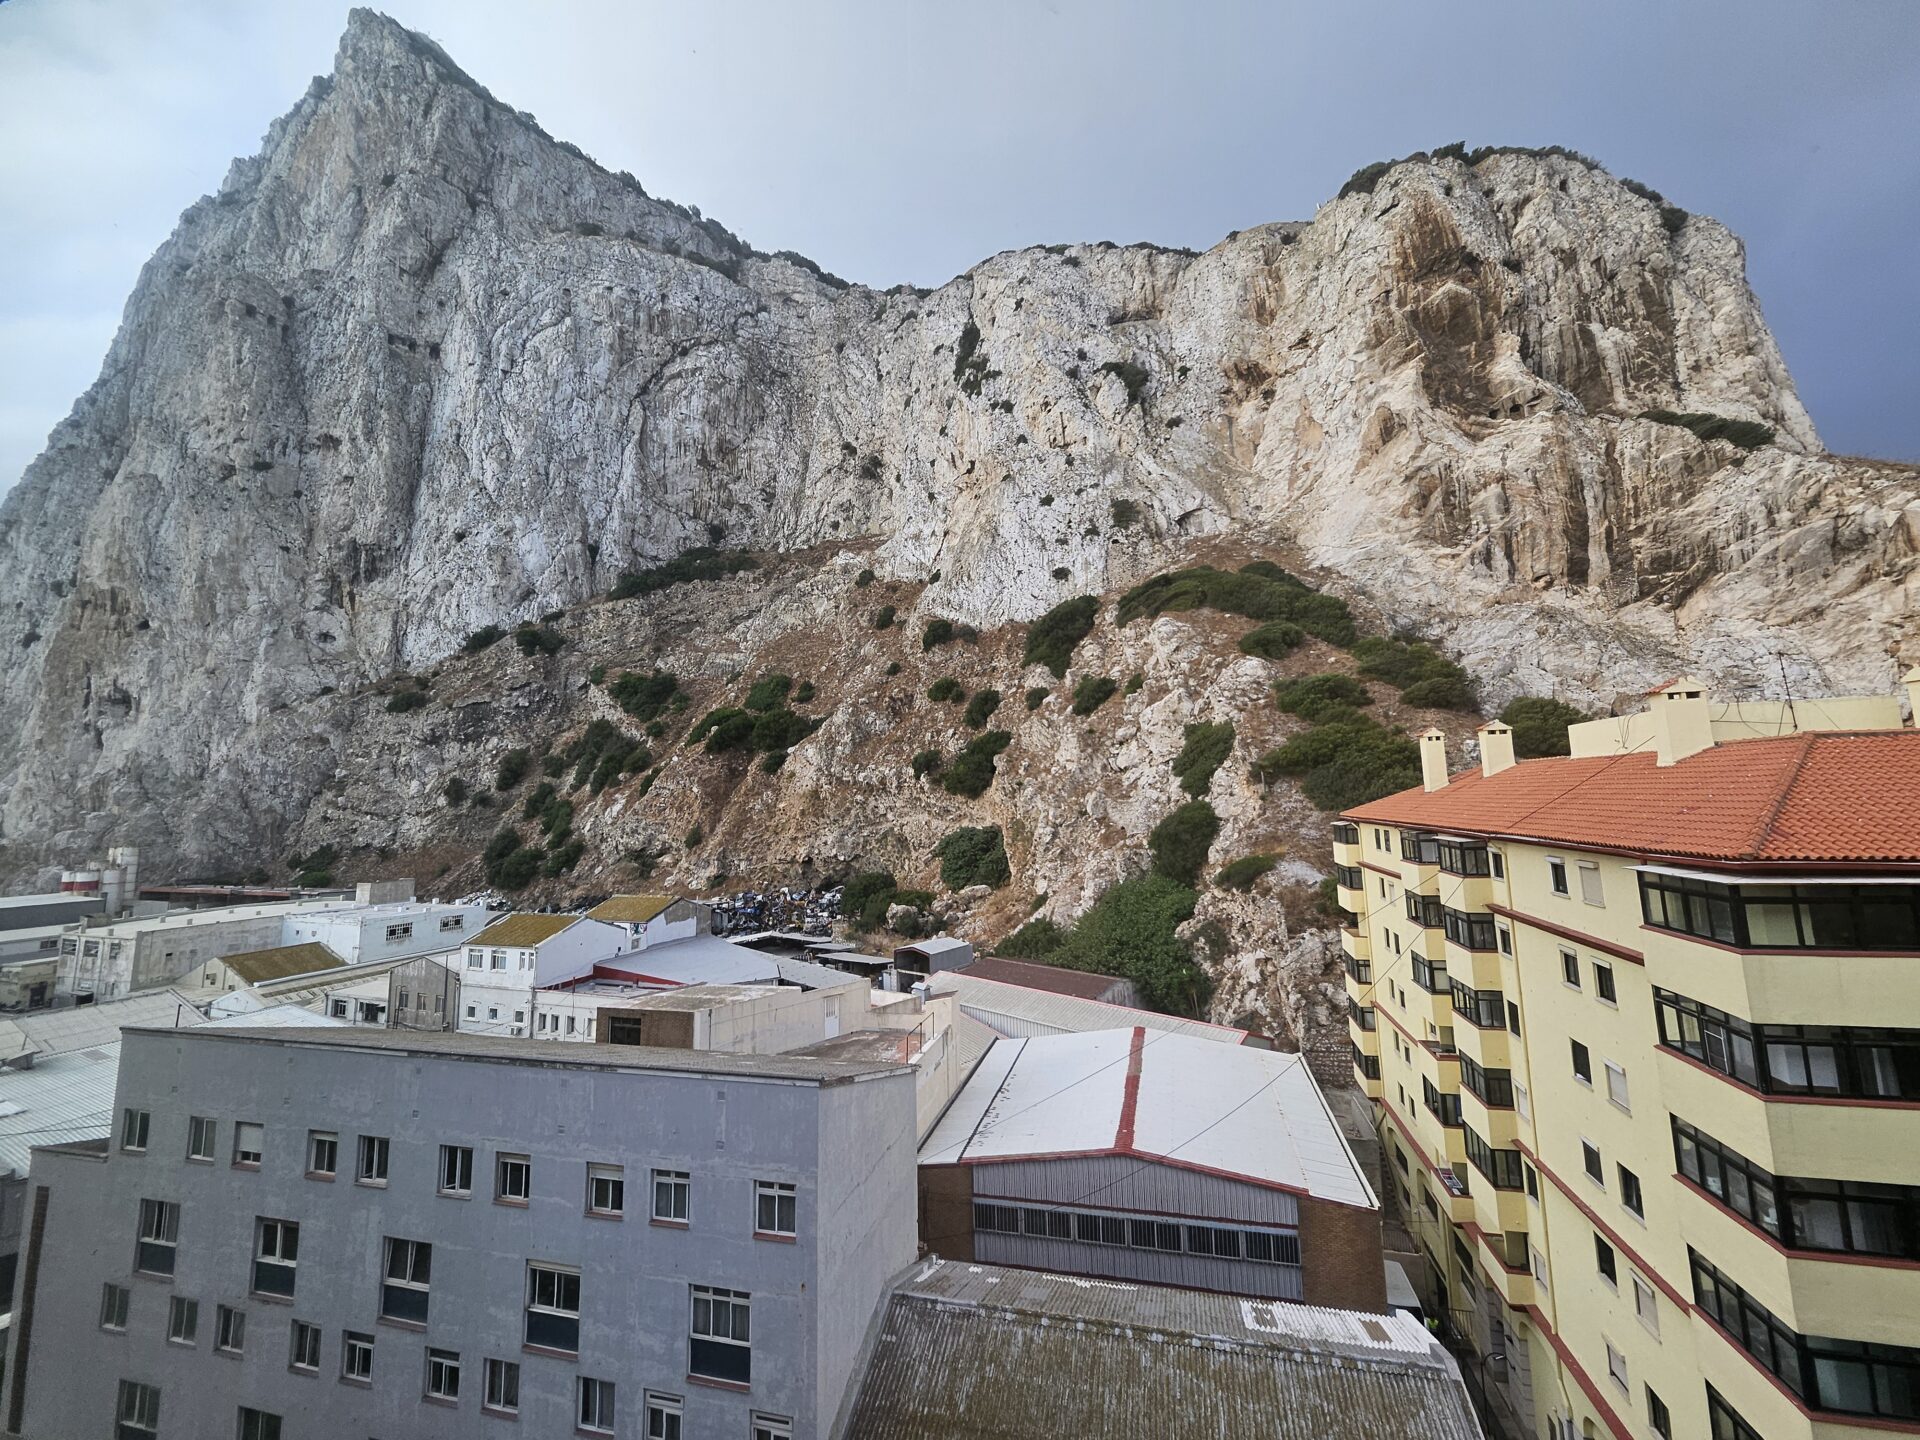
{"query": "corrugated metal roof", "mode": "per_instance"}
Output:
(1254, 1115)
(523, 929)
(631, 909)
(1062, 1014)
(277, 1017)
(281, 962)
(1061, 981)
(60, 1099)
(975, 1352)
(79, 1027)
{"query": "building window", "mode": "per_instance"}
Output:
(1630, 1195)
(1367, 1065)
(1852, 1061)
(663, 1417)
(1785, 917)
(772, 1427)
(671, 1190)
(1531, 1178)
(553, 1308)
(720, 1334)
(1500, 1167)
(248, 1142)
(323, 1154)
(606, 1190)
(512, 1179)
(275, 1256)
(596, 1405)
(114, 1300)
(1445, 1107)
(1570, 968)
(1595, 1167)
(1617, 1368)
(1604, 1261)
(304, 1347)
(1658, 1417)
(1617, 1086)
(1464, 857)
(452, 922)
(493, 1012)
(1520, 1103)
(1513, 1018)
(229, 1330)
(183, 1320)
(1843, 1216)
(1499, 862)
(159, 1237)
(133, 1130)
(443, 1374)
(258, 1425)
(1482, 1009)
(502, 1386)
(201, 1138)
(1495, 1088)
(474, 960)
(1848, 1377)
(1590, 890)
(1646, 1305)
(356, 1357)
(408, 1277)
(497, 960)
(1430, 977)
(371, 1166)
(774, 1205)
(1724, 1421)
(1469, 930)
(397, 933)
(456, 1170)
(1557, 876)
(137, 1413)
(1582, 1063)
(1603, 983)
(1424, 910)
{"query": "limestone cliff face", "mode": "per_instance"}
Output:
(420, 367)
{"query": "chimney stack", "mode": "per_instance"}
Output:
(1496, 748)
(1682, 723)
(1912, 681)
(1433, 760)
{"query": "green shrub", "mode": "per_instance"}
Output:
(969, 364)
(564, 858)
(925, 763)
(1061, 572)
(1125, 513)
(1052, 639)
(637, 759)
(1271, 640)
(863, 579)
(1440, 692)
(973, 855)
(1133, 376)
(1240, 874)
(517, 870)
(538, 639)
(973, 770)
(505, 841)
(1259, 591)
(313, 879)
(537, 800)
(1346, 763)
(643, 696)
(946, 688)
(1205, 750)
(768, 692)
(893, 667)
(553, 766)
(513, 768)
(608, 771)
(981, 707)
(1312, 697)
(860, 891)
(1032, 941)
(1131, 931)
(1134, 682)
(780, 730)
(1037, 696)
(1093, 692)
(1362, 181)
(404, 700)
(556, 817)
(1402, 663)
(480, 639)
(1180, 842)
(937, 633)
(883, 617)
(1540, 725)
(1747, 434)
(455, 790)
(803, 692)
(726, 728)
(597, 675)
(695, 836)
(700, 563)
(771, 762)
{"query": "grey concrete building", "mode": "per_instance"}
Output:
(355, 1233)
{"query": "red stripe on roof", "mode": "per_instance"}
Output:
(1130, 1101)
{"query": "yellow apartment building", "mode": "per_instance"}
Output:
(1642, 1029)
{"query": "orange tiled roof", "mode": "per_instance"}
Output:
(1828, 796)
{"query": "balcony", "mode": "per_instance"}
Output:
(1425, 911)
(1468, 929)
(1354, 943)
(1431, 978)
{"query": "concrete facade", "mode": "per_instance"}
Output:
(118, 958)
(841, 1135)
(362, 933)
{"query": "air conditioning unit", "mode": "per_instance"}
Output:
(516, 1030)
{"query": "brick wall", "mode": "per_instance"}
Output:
(1340, 1259)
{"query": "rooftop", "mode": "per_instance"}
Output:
(1817, 797)
(698, 997)
(709, 960)
(281, 962)
(1082, 983)
(80, 1027)
(215, 915)
(545, 1054)
(1231, 1110)
(277, 1017)
(62, 1098)
(1054, 1014)
(976, 1352)
(522, 929)
(630, 909)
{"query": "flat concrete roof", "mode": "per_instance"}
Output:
(453, 1045)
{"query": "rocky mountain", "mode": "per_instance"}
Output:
(419, 368)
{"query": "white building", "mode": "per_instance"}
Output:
(651, 919)
(362, 933)
(99, 961)
(518, 953)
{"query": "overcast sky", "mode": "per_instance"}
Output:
(902, 140)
